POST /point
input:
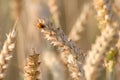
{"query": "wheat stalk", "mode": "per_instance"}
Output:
(59, 39)
(31, 67)
(6, 53)
(16, 8)
(117, 64)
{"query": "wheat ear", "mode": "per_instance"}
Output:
(54, 11)
(79, 26)
(104, 15)
(6, 53)
(57, 37)
(31, 67)
(96, 56)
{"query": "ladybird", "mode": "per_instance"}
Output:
(41, 24)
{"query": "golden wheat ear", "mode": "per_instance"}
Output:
(67, 48)
(31, 71)
(93, 67)
(6, 52)
(104, 12)
(54, 9)
(80, 24)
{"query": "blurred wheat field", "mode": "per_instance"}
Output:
(59, 40)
